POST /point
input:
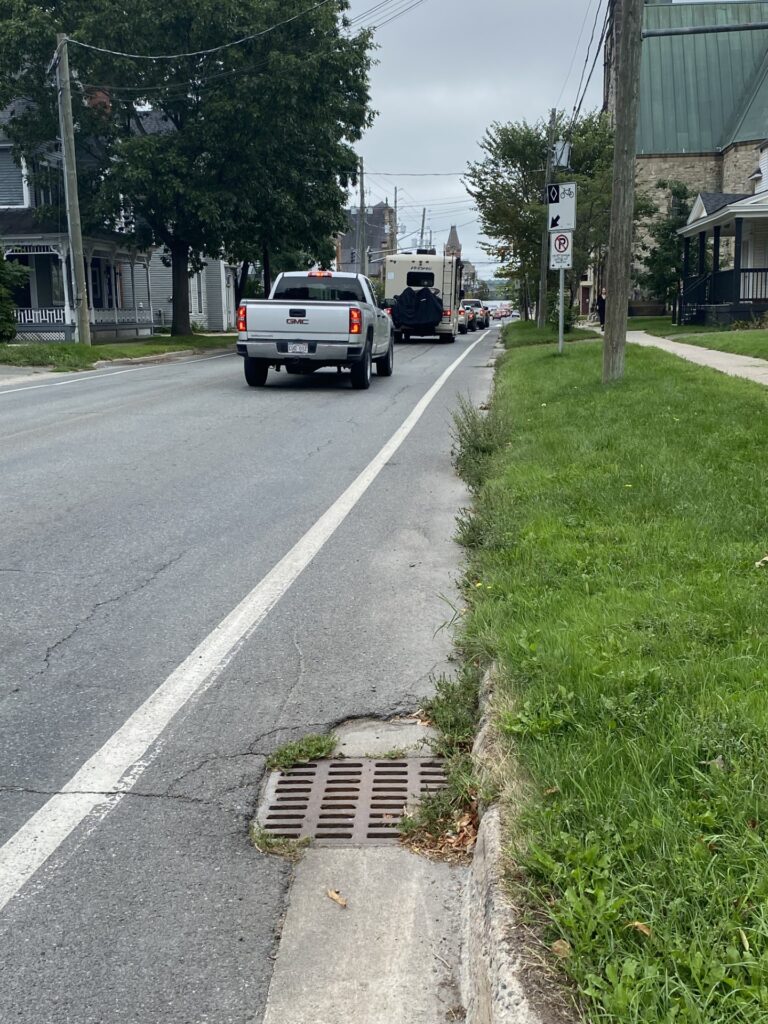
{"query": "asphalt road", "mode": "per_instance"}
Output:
(137, 508)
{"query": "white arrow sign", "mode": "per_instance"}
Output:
(561, 207)
(560, 250)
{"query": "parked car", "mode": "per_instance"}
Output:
(462, 319)
(316, 318)
(482, 320)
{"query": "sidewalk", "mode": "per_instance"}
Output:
(726, 362)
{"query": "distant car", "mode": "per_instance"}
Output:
(499, 314)
(470, 314)
(482, 319)
(463, 320)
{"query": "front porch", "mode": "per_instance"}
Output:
(117, 278)
(725, 259)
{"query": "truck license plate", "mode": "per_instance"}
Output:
(298, 348)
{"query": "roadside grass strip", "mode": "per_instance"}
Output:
(65, 356)
(525, 332)
(617, 575)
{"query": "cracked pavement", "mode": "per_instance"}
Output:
(137, 511)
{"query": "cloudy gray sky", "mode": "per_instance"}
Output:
(446, 70)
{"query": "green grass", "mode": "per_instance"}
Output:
(745, 343)
(309, 748)
(64, 356)
(277, 846)
(614, 540)
(662, 327)
(525, 332)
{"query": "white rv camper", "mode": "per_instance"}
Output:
(422, 294)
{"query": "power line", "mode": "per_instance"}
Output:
(201, 53)
(575, 51)
(577, 106)
(420, 174)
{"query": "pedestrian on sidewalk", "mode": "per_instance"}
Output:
(601, 309)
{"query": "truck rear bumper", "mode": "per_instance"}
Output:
(328, 352)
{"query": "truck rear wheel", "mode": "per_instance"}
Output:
(361, 371)
(256, 371)
(449, 338)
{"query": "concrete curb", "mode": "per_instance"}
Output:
(495, 987)
(162, 357)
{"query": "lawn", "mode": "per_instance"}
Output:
(662, 327)
(612, 575)
(64, 356)
(745, 343)
(525, 332)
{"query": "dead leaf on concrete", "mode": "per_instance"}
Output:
(640, 927)
(561, 948)
(335, 895)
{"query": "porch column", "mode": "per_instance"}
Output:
(62, 254)
(113, 265)
(147, 260)
(702, 267)
(89, 284)
(133, 293)
(738, 230)
(716, 251)
(686, 259)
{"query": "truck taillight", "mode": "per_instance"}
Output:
(447, 313)
(388, 310)
(355, 321)
(242, 319)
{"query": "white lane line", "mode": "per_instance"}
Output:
(114, 769)
(114, 373)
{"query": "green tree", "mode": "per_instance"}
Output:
(245, 152)
(508, 186)
(663, 258)
(11, 276)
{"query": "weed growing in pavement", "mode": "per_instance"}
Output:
(313, 747)
(277, 846)
(617, 578)
(476, 438)
(446, 822)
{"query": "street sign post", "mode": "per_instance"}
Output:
(561, 258)
(561, 206)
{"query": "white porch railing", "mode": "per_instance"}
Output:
(39, 316)
(124, 316)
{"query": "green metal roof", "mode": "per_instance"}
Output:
(703, 93)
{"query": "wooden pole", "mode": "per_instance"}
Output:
(541, 310)
(66, 124)
(629, 15)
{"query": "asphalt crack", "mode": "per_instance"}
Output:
(128, 592)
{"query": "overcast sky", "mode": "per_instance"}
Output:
(446, 70)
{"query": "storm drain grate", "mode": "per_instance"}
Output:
(347, 802)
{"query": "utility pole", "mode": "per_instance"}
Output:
(71, 198)
(541, 311)
(629, 23)
(397, 229)
(361, 222)
(423, 223)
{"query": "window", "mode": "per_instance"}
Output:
(420, 279)
(295, 289)
(11, 180)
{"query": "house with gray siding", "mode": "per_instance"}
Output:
(129, 289)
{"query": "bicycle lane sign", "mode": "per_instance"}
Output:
(561, 250)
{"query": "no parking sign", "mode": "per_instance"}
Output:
(561, 250)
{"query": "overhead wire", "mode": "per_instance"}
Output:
(575, 51)
(200, 53)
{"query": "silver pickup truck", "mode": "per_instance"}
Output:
(316, 318)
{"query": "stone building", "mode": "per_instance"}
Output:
(380, 239)
(703, 99)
